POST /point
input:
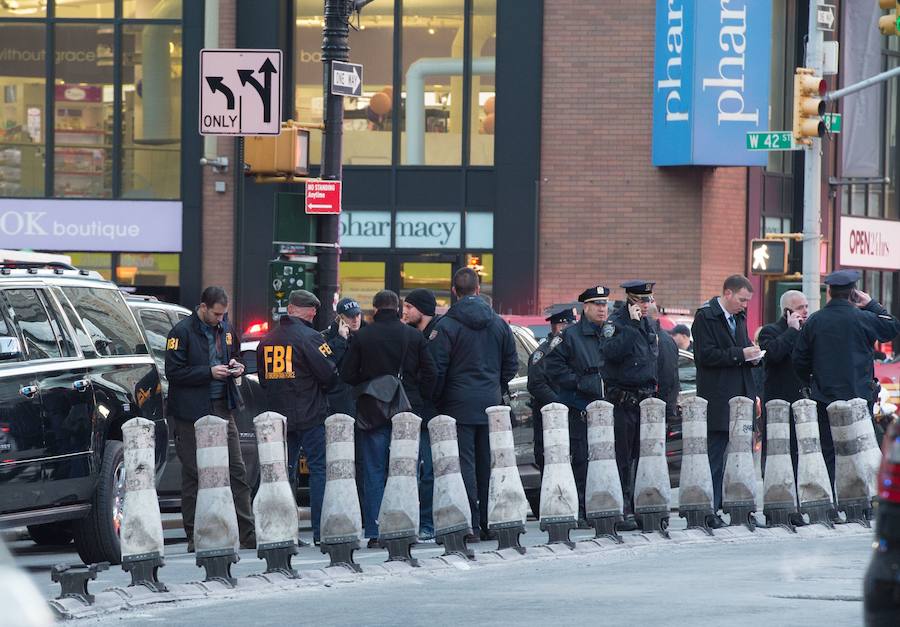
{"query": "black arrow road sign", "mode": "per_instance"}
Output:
(346, 79)
(264, 90)
(216, 84)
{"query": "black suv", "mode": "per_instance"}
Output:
(74, 366)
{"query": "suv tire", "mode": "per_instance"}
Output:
(97, 535)
(52, 534)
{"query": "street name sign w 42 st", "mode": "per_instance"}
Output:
(771, 140)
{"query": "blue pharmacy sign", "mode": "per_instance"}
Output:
(710, 81)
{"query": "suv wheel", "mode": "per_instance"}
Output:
(52, 534)
(97, 535)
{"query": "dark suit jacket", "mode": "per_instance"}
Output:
(722, 372)
(778, 340)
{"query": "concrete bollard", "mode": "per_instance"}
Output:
(507, 506)
(341, 521)
(739, 480)
(813, 485)
(141, 533)
(779, 486)
(274, 507)
(854, 480)
(695, 492)
(652, 489)
(398, 519)
(603, 488)
(871, 452)
(215, 523)
(450, 506)
(559, 495)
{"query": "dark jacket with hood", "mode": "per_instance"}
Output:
(377, 350)
(475, 354)
(340, 395)
(722, 372)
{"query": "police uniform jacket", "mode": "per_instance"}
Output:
(576, 366)
(295, 369)
(189, 373)
(722, 372)
(835, 349)
(631, 348)
(781, 381)
(542, 389)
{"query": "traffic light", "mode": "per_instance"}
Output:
(286, 154)
(768, 256)
(808, 105)
(889, 24)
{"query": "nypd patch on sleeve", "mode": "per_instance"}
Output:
(556, 342)
(536, 357)
(609, 329)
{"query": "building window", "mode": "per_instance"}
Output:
(22, 109)
(98, 9)
(483, 29)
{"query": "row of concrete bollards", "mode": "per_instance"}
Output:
(786, 496)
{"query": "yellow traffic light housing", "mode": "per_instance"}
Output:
(890, 24)
(284, 155)
(808, 105)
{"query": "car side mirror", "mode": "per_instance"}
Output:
(9, 348)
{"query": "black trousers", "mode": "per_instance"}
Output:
(537, 422)
(578, 450)
(475, 465)
(627, 431)
(826, 440)
(186, 448)
(716, 443)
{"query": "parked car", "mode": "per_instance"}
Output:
(157, 319)
(74, 366)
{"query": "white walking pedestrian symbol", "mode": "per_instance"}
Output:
(760, 256)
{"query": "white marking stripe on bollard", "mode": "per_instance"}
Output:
(341, 520)
(603, 488)
(739, 479)
(450, 505)
(141, 533)
(813, 484)
(274, 508)
(215, 525)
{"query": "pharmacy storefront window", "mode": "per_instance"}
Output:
(483, 29)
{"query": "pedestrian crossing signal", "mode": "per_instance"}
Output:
(768, 256)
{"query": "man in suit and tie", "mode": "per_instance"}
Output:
(723, 354)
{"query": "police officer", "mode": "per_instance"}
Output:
(575, 367)
(631, 350)
(541, 388)
(296, 371)
(835, 351)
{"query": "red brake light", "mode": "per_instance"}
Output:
(257, 328)
(889, 475)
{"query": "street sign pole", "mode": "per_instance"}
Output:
(812, 176)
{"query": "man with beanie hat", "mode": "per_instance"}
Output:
(419, 312)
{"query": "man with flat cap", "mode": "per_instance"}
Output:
(576, 369)
(631, 349)
(296, 371)
(834, 353)
(542, 389)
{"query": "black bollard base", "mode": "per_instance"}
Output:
(399, 549)
(741, 515)
(605, 527)
(508, 536)
(341, 554)
(144, 570)
(558, 530)
(655, 520)
(278, 557)
(698, 519)
(784, 517)
(454, 543)
(73, 580)
(218, 565)
(819, 512)
(857, 511)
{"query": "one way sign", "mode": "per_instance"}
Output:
(240, 92)
(346, 79)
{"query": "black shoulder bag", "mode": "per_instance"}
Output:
(380, 399)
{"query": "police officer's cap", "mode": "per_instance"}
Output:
(302, 298)
(597, 294)
(348, 307)
(842, 278)
(560, 313)
(639, 288)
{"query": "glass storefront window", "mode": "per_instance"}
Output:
(24, 8)
(148, 269)
(433, 38)
(98, 262)
(152, 9)
(22, 111)
(151, 111)
(434, 276)
(86, 9)
(83, 100)
(361, 280)
(484, 51)
(483, 264)
(367, 120)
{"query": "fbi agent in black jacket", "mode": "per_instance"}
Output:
(576, 368)
(835, 351)
(296, 371)
(201, 366)
(631, 349)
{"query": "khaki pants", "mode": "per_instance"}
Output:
(186, 448)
